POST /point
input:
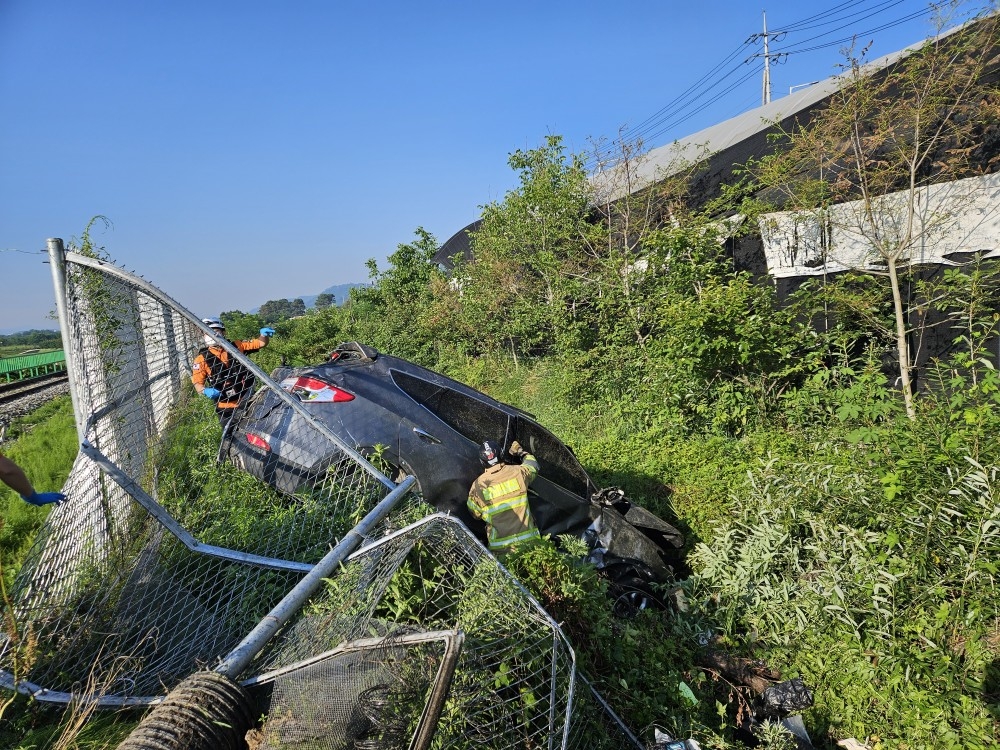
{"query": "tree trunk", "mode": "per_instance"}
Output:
(902, 344)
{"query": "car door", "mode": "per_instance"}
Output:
(459, 421)
(561, 491)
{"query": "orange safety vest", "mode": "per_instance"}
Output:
(213, 368)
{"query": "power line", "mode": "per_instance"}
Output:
(844, 40)
(706, 90)
(678, 110)
(834, 15)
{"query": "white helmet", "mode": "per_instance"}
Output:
(216, 325)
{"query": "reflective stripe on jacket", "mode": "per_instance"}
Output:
(213, 368)
(500, 498)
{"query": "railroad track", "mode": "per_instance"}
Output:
(12, 392)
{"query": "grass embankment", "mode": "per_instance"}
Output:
(858, 552)
(44, 444)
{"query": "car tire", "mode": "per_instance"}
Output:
(390, 466)
(632, 595)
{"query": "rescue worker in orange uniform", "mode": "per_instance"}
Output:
(499, 496)
(227, 383)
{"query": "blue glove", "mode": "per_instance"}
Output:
(212, 393)
(43, 498)
(266, 331)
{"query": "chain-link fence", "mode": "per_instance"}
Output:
(163, 558)
(167, 561)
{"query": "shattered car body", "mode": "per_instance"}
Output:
(421, 423)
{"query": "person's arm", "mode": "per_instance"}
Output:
(199, 376)
(529, 464)
(473, 503)
(14, 477)
(253, 345)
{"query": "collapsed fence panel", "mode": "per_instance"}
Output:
(514, 685)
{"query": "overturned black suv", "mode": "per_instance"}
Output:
(424, 424)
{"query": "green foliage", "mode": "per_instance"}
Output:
(406, 310)
(865, 570)
(835, 532)
(528, 289)
(226, 506)
(241, 325)
(41, 725)
(306, 341)
(276, 310)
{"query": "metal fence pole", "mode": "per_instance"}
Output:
(57, 259)
(241, 656)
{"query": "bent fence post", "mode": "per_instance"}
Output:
(210, 710)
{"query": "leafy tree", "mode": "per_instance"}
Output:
(525, 289)
(404, 310)
(634, 289)
(324, 300)
(863, 163)
(241, 325)
(274, 311)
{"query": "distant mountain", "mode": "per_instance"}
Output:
(339, 292)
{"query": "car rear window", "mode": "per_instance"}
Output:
(468, 416)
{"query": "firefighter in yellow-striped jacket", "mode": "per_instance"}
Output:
(499, 496)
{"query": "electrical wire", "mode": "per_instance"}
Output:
(706, 90)
(667, 127)
(891, 24)
(835, 16)
(694, 86)
(677, 111)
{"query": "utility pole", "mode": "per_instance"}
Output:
(768, 57)
(766, 95)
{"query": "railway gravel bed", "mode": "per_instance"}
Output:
(26, 404)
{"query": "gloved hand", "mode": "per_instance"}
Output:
(516, 449)
(212, 393)
(44, 498)
(266, 331)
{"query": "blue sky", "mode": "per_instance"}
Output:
(246, 151)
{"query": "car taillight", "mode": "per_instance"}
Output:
(258, 442)
(312, 390)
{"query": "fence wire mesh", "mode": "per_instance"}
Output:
(376, 693)
(515, 683)
(165, 556)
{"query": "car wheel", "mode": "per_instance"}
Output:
(632, 595)
(389, 465)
